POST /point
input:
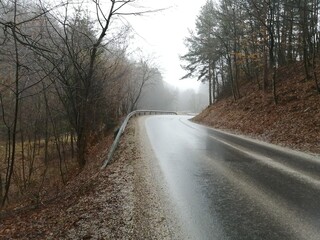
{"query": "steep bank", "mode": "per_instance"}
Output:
(122, 201)
(294, 122)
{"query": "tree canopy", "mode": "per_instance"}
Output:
(249, 40)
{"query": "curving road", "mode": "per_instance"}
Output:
(229, 187)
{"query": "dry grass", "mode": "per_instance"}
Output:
(84, 195)
(33, 180)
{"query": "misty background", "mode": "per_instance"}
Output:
(160, 95)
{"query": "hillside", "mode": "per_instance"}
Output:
(294, 122)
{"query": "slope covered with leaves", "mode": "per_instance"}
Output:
(83, 196)
(293, 122)
(123, 201)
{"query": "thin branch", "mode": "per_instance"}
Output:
(141, 13)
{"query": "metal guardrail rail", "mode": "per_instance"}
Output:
(123, 127)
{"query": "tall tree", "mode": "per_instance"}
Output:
(252, 39)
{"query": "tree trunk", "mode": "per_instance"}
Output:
(1, 188)
(15, 121)
(81, 150)
(210, 84)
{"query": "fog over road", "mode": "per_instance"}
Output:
(226, 187)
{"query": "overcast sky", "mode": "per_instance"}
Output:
(162, 34)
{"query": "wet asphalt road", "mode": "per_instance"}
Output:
(226, 187)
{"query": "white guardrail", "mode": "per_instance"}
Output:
(123, 127)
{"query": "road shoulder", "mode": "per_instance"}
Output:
(154, 216)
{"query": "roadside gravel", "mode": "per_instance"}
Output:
(131, 200)
(154, 215)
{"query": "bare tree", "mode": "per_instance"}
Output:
(19, 44)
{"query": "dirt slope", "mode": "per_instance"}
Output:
(294, 122)
(122, 201)
(94, 205)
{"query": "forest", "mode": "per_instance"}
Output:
(67, 77)
(69, 74)
(250, 40)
